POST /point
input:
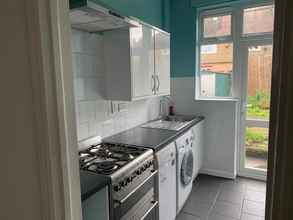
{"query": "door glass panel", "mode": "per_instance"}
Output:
(258, 106)
(256, 147)
(259, 82)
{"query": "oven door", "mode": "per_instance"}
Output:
(140, 204)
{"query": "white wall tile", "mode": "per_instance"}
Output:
(83, 131)
(86, 111)
(92, 89)
(76, 41)
(94, 115)
(76, 63)
(79, 90)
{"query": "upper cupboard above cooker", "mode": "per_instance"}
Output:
(136, 55)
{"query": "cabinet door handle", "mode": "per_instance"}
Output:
(158, 80)
(153, 83)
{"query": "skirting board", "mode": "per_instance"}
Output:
(218, 173)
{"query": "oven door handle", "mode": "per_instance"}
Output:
(155, 203)
(154, 172)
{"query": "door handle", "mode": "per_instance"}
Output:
(153, 83)
(158, 80)
(173, 162)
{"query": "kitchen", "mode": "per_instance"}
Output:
(118, 171)
(142, 110)
(125, 103)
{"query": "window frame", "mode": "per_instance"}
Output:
(214, 13)
(237, 37)
(212, 40)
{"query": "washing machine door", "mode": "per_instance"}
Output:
(187, 167)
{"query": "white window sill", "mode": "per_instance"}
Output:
(217, 99)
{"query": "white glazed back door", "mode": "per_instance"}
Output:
(142, 61)
(162, 63)
(255, 109)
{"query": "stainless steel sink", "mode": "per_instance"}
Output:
(174, 123)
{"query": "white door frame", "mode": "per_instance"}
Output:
(242, 171)
(48, 30)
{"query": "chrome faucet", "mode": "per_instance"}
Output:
(165, 100)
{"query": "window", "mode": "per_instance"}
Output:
(216, 55)
(217, 26)
(218, 40)
(216, 70)
(258, 20)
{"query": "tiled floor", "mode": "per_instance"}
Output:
(215, 198)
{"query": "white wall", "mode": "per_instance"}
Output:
(93, 111)
(220, 127)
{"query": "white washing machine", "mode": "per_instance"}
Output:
(185, 166)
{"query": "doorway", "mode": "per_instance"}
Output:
(255, 107)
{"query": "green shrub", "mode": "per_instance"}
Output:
(256, 143)
(258, 105)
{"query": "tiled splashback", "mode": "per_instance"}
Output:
(94, 113)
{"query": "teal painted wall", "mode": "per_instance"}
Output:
(183, 32)
(183, 35)
(154, 12)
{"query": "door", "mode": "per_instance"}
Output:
(255, 109)
(142, 61)
(162, 63)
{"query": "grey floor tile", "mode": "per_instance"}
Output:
(186, 216)
(231, 196)
(256, 186)
(253, 208)
(214, 216)
(216, 198)
(204, 194)
(227, 209)
(196, 207)
(209, 186)
(205, 180)
(255, 196)
(234, 185)
(245, 216)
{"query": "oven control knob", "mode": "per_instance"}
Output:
(128, 180)
(117, 188)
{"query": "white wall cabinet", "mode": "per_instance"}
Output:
(137, 63)
(162, 63)
(197, 146)
(142, 61)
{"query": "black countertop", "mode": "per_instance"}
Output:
(155, 139)
(152, 138)
(91, 183)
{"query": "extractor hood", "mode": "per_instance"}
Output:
(92, 17)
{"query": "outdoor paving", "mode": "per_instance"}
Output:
(215, 198)
(254, 162)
